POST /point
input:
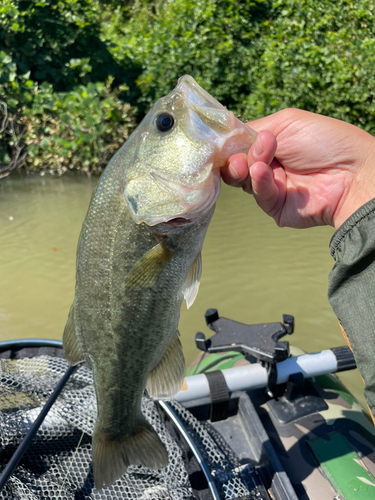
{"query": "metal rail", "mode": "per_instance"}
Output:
(256, 376)
(23, 343)
(177, 422)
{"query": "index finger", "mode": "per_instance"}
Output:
(236, 173)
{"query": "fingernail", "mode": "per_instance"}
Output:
(233, 172)
(258, 149)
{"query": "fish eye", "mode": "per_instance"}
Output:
(164, 122)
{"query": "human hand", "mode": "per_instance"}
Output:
(323, 170)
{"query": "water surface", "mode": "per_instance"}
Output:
(253, 271)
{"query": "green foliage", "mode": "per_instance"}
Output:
(255, 56)
(59, 42)
(318, 56)
(60, 86)
(58, 131)
(258, 56)
(217, 42)
(79, 130)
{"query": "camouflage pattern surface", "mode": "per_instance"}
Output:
(298, 443)
(208, 363)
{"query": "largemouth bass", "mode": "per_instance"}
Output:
(138, 257)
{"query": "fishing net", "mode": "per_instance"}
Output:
(58, 465)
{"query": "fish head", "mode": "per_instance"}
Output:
(177, 152)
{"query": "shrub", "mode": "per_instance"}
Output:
(318, 56)
(79, 130)
(217, 42)
(59, 88)
(15, 90)
(58, 41)
(255, 56)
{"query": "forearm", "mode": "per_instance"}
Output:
(351, 289)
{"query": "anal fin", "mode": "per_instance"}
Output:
(167, 377)
(73, 353)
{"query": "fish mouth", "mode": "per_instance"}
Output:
(195, 94)
(210, 120)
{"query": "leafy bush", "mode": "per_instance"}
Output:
(59, 42)
(57, 131)
(318, 56)
(258, 56)
(15, 89)
(59, 88)
(215, 41)
(80, 130)
(255, 56)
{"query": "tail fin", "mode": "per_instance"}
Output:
(111, 457)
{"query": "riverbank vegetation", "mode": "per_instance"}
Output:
(76, 76)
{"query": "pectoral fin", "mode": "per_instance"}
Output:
(73, 352)
(147, 270)
(167, 377)
(191, 285)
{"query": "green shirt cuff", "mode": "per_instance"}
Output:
(351, 289)
(362, 214)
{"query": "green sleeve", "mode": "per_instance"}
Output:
(351, 289)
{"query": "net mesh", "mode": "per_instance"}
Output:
(57, 465)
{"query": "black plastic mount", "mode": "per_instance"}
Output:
(261, 341)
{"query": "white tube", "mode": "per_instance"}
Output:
(250, 376)
(195, 387)
(310, 365)
(255, 376)
(237, 379)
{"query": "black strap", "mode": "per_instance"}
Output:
(219, 396)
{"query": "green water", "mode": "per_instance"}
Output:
(253, 271)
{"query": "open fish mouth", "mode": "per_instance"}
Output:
(175, 172)
(213, 121)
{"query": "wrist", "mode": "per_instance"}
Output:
(360, 185)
